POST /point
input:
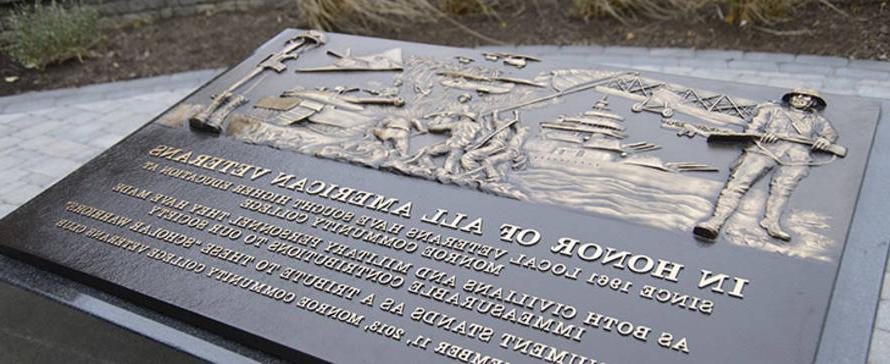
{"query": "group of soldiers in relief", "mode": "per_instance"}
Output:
(481, 149)
(474, 146)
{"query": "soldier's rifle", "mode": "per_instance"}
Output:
(275, 61)
(743, 137)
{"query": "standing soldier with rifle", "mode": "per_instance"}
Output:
(784, 136)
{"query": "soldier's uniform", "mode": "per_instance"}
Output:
(463, 132)
(789, 161)
(496, 144)
(513, 154)
(397, 130)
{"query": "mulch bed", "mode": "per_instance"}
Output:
(221, 40)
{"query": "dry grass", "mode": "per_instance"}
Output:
(335, 14)
(631, 9)
(756, 11)
(470, 7)
(339, 14)
(732, 11)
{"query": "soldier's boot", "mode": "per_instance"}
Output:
(200, 120)
(775, 204)
(710, 228)
(216, 120)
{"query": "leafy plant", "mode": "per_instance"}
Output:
(52, 33)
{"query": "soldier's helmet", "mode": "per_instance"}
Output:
(818, 102)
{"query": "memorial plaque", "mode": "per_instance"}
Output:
(361, 200)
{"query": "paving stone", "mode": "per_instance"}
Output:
(655, 60)
(9, 161)
(99, 89)
(821, 60)
(9, 142)
(703, 63)
(196, 76)
(606, 59)
(718, 54)
(82, 98)
(40, 180)
(147, 107)
(628, 51)
(115, 117)
(6, 119)
(754, 65)
(87, 154)
(870, 64)
(873, 89)
(12, 175)
(85, 133)
(26, 98)
(38, 128)
(80, 118)
(5, 209)
(885, 286)
(29, 105)
(570, 49)
(794, 83)
(879, 352)
(648, 68)
(103, 106)
(672, 52)
(768, 57)
(714, 74)
(806, 68)
(882, 321)
(37, 143)
(846, 86)
(862, 73)
(26, 155)
(105, 141)
(62, 148)
(678, 70)
(22, 195)
(53, 167)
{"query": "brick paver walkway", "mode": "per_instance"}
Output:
(51, 133)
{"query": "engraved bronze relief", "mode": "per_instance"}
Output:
(784, 136)
(481, 126)
(212, 117)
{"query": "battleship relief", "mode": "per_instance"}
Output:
(468, 120)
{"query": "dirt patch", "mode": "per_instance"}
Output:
(221, 40)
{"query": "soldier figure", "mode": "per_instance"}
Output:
(397, 130)
(496, 143)
(463, 130)
(797, 116)
(513, 154)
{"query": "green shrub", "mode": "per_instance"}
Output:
(46, 34)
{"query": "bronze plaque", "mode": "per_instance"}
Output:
(363, 200)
